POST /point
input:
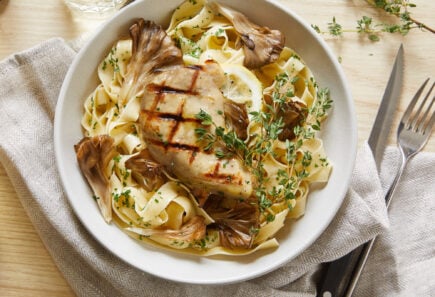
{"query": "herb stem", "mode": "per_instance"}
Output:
(421, 25)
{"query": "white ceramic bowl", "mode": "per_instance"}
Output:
(339, 138)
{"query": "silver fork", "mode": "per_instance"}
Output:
(413, 133)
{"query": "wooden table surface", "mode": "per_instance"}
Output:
(26, 268)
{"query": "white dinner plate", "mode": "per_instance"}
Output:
(339, 138)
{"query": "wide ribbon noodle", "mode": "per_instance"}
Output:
(168, 216)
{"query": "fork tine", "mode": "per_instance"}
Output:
(407, 114)
(428, 127)
(420, 122)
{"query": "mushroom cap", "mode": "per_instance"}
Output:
(93, 156)
(261, 45)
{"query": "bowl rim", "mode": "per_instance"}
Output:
(61, 162)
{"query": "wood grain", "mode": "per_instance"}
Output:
(26, 268)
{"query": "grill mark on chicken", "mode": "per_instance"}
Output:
(168, 116)
(177, 122)
(216, 169)
(194, 150)
(224, 178)
(195, 77)
(157, 99)
(193, 154)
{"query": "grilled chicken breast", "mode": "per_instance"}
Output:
(168, 120)
(173, 94)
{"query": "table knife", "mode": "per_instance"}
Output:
(341, 275)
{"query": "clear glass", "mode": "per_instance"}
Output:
(94, 8)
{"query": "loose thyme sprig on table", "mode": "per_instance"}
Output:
(367, 26)
(252, 153)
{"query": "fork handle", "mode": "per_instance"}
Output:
(343, 274)
(393, 185)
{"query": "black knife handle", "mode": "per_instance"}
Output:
(339, 274)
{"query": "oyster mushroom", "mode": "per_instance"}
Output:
(261, 45)
(152, 50)
(235, 224)
(236, 116)
(146, 172)
(93, 155)
(293, 114)
(193, 230)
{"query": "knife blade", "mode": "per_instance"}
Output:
(341, 276)
(381, 127)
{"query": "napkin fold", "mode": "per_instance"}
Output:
(401, 264)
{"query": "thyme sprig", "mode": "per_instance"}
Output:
(225, 144)
(254, 153)
(372, 29)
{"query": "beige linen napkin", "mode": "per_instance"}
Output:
(402, 262)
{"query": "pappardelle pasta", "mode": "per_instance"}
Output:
(202, 138)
